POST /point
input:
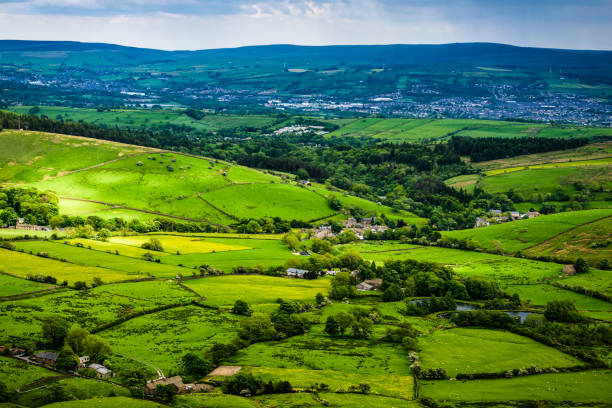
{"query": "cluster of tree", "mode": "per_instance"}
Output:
(283, 323)
(33, 206)
(246, 385)
(153, 244)
(273, 225)
(360, 321)
(563, 311)
(491, 148)
(421, 307)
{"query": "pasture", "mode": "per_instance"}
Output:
(467, 263)
(596, 280)
(131, 268)
(107, 402)
(470, 351)
(589, 241)
(178, 244)
(16, 373)
(582, 387)
(10, 285)
(21, 319)
(522, 234)
(158, 339)
(301, 400)
(257, 290)
(24, 265)
(316, 357)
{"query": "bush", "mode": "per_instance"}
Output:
(393, 293)
(153, 245)
(241, 308)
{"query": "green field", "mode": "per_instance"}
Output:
(469, 351)
(108, 402)
(21, 319)
(131, 268)
(174, 244)
(257, 290)
(16, 373)
(466, 263)
(585, 387)
(159, 339)
(522, 234)
(590, 242)
(10, 285)
(334, 400)
(316, 357)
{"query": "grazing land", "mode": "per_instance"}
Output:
(15, 373)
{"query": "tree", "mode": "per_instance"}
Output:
(331, 326)
(253, 227)
(195, 366)
(165, 393)
(581, 266)
(292, 241)
(562, 311)
(393, 293)
(97, 348)
(54, 331)
(363, 327)
(334, 203)
(241, 308)
(344, 320)
(259, 327)
(153, 244)
(8, 216)
(66, 360)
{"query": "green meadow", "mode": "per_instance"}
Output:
(107, 402)
(468, 351)
(582, 387)
(174, 244)
(522, 234)
(10, 286)
(16, 373)
(159, 339)
(257, 290)
(21, 319)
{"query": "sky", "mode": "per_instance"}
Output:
(204, 24)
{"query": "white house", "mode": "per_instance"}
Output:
(296, 273)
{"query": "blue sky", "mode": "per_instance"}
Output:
(200, 24)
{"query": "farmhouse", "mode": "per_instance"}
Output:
(532, 214)
(481, 222)
(569, 269)
(296, 273)
(177, 381)
(101, 371)
(21, 225)
(83, 360)
(495, 213)
(369, 284)
(45, 357)
(515, 215)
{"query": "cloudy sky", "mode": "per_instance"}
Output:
(200, 24)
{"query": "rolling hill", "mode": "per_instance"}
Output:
(110, 179)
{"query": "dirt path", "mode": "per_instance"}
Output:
(160, 374)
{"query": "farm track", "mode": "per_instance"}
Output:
(117, 206)
(566, 231)
(99, 165)
(160, 373)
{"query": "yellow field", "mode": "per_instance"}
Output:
(22, 264)
(597, 162)
(181, 244)
(127, 250)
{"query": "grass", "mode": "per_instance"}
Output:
(10, 285)
(21, 319)
(23, 265)
(75, 388)
(16, 373)
(466, 182)
(596, 280)
(14, 233)
(521, 234)
(159, 339)
(130, 268)
(466, 263)
(256, 290)
(113, 247)
(581, 163)
(585, 387)
(590, 242)
(334, 400)
(109, 402)
(174, 244)
(487, 351)
(263, 252)
(315, 357)
(213, 401)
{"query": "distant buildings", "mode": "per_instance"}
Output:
(296, 273)
(369, 284)
(176, 381)
(101, 371)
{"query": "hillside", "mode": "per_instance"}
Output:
(110, 179)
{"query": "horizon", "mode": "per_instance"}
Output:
(212, 24)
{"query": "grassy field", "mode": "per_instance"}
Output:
(487, 351)
(113, 247)
(586, 387)
(596, 280)
(581, 163)
(593, 151)
(263, 252)
(13, 233)
(214, 401)
(257, 290)
(334, 400)
(466, 263)
(158, 339)
(131, 268)
(315, 357)
(108, 402)
(23, 265)
(10, 285)
(590, 242)
(466, 182)
(21, 319)
(417, 130)
(16, 373)
(522, 234)
(175, 244)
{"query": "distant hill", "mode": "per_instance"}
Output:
(396, 54)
